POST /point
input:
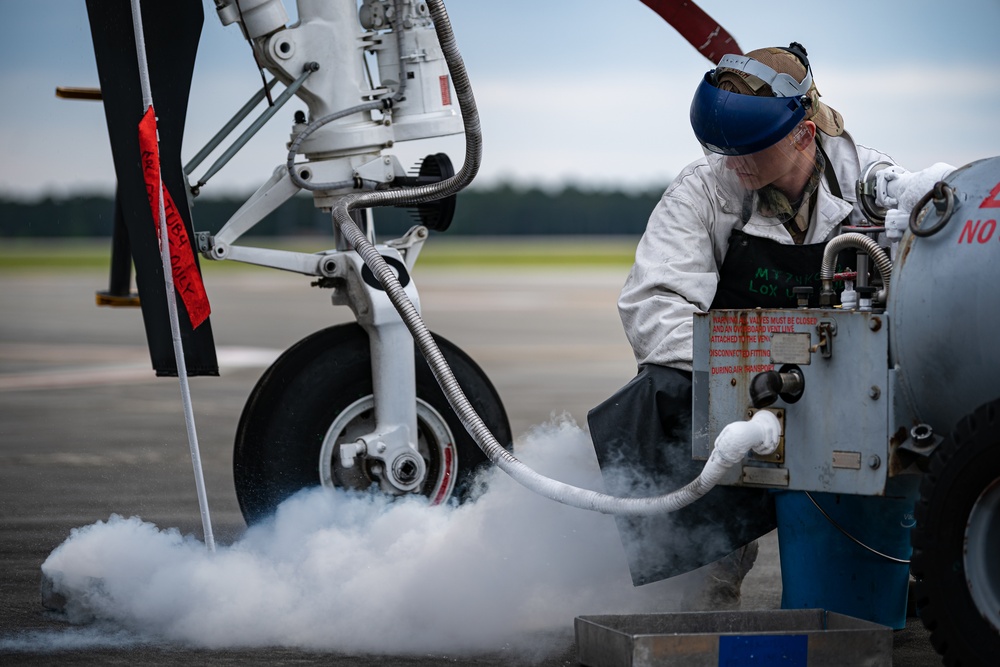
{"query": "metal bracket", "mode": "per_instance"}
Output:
(204, 241)
(382, 169)
(410, 244)
(827, 329)
(922, 440)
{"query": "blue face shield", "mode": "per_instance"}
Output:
(733, 124)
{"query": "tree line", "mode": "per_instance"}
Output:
(496, 211)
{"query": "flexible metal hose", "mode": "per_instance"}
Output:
(854, 240)
(762, 432)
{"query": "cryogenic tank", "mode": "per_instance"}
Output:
(945, 312)
(944, 301)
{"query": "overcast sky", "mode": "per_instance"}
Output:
(591, 92)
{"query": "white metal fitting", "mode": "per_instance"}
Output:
(258, 17)
(349, 451)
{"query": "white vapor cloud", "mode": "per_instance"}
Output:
(361, 573)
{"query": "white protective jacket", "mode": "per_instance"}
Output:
(677, 260)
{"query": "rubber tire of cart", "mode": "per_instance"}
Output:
(287, 416)
(962, 469)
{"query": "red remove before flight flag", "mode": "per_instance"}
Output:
(187, 278)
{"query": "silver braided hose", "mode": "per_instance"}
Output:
(854, 240)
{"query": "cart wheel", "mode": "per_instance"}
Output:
(318, 394)
(957, 541)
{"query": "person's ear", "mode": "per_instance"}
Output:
(804, 134)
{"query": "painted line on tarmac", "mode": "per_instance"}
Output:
(229, 357)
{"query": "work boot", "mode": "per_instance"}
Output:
(717, 586)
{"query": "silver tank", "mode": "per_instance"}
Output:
(944, 302)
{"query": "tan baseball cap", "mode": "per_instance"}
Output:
(782, 61)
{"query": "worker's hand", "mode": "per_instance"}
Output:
(896, 188)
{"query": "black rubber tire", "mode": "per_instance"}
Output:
(286, 418)
(963, 468)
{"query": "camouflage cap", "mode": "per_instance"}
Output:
(782, 61)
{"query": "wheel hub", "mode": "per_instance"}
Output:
(406, 469)
(431, 469)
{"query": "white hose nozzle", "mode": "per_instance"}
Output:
(760, 434)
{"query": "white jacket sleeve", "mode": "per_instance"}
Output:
(675, 274)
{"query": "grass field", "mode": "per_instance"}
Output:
(75, 254)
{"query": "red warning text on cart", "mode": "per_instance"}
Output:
(978, 231)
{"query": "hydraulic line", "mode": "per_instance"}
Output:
(761, 433)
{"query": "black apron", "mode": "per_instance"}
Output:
(642, 434)
(760, 273)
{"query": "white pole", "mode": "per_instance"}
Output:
(168, 279)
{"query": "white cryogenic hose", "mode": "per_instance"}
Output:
(760, 434)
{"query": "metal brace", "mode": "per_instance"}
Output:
(410, 244)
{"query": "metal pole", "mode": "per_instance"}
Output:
(168, 279)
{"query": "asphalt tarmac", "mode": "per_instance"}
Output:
(86, 430)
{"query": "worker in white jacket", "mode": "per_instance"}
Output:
(681, 257)
(736, 229)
